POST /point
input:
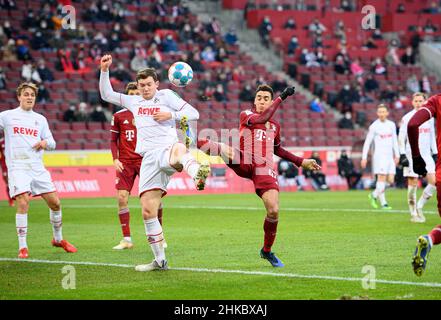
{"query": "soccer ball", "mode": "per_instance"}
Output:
(180, 74)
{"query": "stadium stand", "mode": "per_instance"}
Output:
(140, 29)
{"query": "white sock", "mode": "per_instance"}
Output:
(427, 194)
(191, 166)
(56, 222)
(129, 239)
(411, 199)
(380, 190)
(21, 224)
(154, 235)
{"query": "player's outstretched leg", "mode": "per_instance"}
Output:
(55, 217)
(124, 220)
(21, 224)
(427, 194)
(419, 260)
(199, 172)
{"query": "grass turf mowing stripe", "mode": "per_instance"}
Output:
(255, 273)
(255, 208)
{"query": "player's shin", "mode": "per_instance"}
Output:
(21, 223)
(124, 219)
(270, 230)
(411, 199)
(427, 194)
(155, 238)
(380, 190)
(56, 222)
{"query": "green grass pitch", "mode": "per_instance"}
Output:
(324, 238)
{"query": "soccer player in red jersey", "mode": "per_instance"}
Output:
(431, 108)
(259, 140)
(4, 169)
(127, 164)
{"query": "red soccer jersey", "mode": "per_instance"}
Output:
(123, 123)
(257, 141)
(434, 107)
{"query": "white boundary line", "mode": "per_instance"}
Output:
(244, 272)
(379, 211)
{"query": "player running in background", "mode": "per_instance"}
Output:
(427, 145)
(432, 108)
(259, 140)
(127, 165)
(155, 112)
(27, 135)
(4, 169)
(383, 133)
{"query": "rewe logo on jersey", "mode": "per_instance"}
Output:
(25, 131)
(385, 136)
(424, 130)
(147, 111)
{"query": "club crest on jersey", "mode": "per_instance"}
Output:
(156, 100)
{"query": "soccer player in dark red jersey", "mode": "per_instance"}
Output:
(431, 108)
(259, 140)
(127, 164)
(4, 169)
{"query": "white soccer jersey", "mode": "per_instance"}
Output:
(23, 129)
(384, 136)
(427, 139)
(151, 134)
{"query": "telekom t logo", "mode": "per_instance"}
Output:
(130, 135)
(260, 135)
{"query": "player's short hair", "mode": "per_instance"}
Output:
(383, 106)
(147, 72)
(267, 88)
(419, 94)
(131, 86)
(25, 85)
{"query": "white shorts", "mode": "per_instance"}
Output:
(156, 170)
(430, 166)
(383, 165)
(34, 181)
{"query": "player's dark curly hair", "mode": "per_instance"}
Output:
(147, 72)
(267, 88)
(131, 86)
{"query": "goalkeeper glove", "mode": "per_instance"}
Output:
(404, 161)
(419, 166)
(287, 92)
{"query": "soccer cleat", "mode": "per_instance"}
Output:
(373, 201)
(271, 257)
(23, 253)
(417, 219)
(154, 266)
(421, 215)
(123, 244)
(201, 176)
(421, 255)
(65, 245)
(386, 207)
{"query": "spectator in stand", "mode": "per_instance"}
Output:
(121, 74)
(208, 55)
(219, 94)
(356, 68)
(311, 59)
(293, 45)
(138, 62)
(316, 106)
(222, 55)
(160, 9)
(371, 85)
(43, 94)
(290, 24)
(322, 59)
(340, 66)
(413, 85)
(155, 57)
(346, 121)
(231, 37)
(194, 61)
(370, 43)
(408, 57)
(377, 35)
(57, 42)
(9, 51)
(264, 31)
(392, 58)
(378, 67)
(425, 85)
(64, 61)
(347, 170)
(23, 52)
(213, 27)
(98, 115)
(433, 9)
(83, 112)
(169, 45)
(339, 30)
(44, 72)
(70, 115)
(238, 74)
(429, 27)
(401, 8)
(2, 79)
(346, 97)
(9, 30)
(95, 52)
(186, 34)
(30, 22)
(346, 6)
(402, 101)
(144, 24)
(388, 94)
(115, 42)
(317, 176)
(247, 94)
(316, 25)
(29, 73)
(39, 42)
(279, 83)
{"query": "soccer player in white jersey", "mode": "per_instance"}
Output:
(27, 135)
(383, 133)
(155, 112)
(427, 144)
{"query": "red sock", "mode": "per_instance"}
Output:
(270, 228)
(435, 234)
(160, 214)
(124, 219)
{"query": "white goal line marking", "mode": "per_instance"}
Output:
(252, 208)
(244, 272)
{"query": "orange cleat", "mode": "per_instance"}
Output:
(23, 253)
(65, 245)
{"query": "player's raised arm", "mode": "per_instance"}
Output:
(268, 113)
(366, 146)
(106, 90)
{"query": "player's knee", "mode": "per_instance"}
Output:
(149, 212)
(273, 211)
(22, 204)
(179, 149)
(55, 205)
(123, 200)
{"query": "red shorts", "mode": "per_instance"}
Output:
(126, 178)
(264, 178)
